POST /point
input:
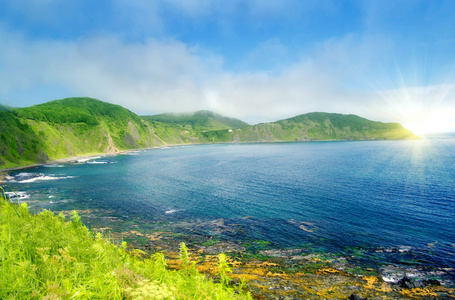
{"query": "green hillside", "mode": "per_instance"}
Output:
(314, 127)
(19, 143)
(82, 126)
(201, 120)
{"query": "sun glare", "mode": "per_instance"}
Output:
(432, 122)
(422, 128)
(423, 110)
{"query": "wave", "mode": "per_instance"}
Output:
(134, 152)
(53, 166)
(34, 177)
(84, 160)
(17, 195)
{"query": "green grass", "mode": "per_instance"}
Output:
(18, 142)
(323, 126)
(45, 256)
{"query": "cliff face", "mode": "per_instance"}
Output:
(81, 126)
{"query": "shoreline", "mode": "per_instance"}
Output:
(82, 157)
(288, 273)
(72, 159)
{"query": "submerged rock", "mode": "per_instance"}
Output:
(406, 283)
(356, 297)
(430, 282)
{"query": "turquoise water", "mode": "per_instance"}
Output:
(385, 198)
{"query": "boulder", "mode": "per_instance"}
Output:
(405, 283)
(430, 282)
(356, 297)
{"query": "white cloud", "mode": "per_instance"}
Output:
(159, 75)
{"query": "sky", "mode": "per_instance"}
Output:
(257, 60)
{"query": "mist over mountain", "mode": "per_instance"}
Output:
(199, 120)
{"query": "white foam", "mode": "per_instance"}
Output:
(389, 279)
(9, 178)
(17, 195)
(404, 249)
(23, 174)
(44, 178)
(171, 211)
(97, 162)
(83, 160)
(134, 152)
(39, 177)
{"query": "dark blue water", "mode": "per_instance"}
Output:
(330, 196)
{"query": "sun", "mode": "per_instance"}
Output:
(421, 128)
(422, 109)
(434, 121)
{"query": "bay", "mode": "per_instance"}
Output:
(382, 198)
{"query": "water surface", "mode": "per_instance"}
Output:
(380, 197)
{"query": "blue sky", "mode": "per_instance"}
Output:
(257, 60)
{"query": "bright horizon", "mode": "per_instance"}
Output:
(259, 61)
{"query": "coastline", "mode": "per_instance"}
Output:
(288, 273)
(78, 158)
(71, 159)
(75, 158)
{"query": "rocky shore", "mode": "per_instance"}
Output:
(289, 274)
(293, 273)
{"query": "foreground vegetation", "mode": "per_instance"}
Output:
(45, 256)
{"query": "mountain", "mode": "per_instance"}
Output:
(201, 120)
(315, 126)
(82, 126)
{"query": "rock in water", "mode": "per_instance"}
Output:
(405, 283)
(430, 282)
(356, 297)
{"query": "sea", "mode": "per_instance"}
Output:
(388, 204)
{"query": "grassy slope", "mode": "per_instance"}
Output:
(79, 126)
(314, 126)
(46, 257)
(84, 125)
(19, 143)
(174, 134)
